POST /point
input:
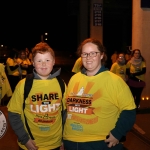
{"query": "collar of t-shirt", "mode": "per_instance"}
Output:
(102, 69)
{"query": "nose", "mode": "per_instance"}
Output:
(43, 63)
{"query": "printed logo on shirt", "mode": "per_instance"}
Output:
(79, 101)
(3, 124)
(45, 107)
(76, 127)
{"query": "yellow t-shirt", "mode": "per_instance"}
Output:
(77, 66)
(94, 104)
(24, 62)
(4, 83)
(119, 70)
(12, 62)
(134, 69)
(43, 111)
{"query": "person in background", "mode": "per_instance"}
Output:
(114, 57)
(100, 106)
(5, 89)
(77, 66)
(136, 69)
(25, 66)
(28, 54)
(42, 107)
(128, 56)
(119, 67)
(12, 67)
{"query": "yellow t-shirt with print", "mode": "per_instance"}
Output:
(119, 70)
(42, 110)
(134, 69)
(5, 88)
(94, 104)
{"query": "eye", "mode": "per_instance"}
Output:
(92, 53)
(47, 60)
(84, 54)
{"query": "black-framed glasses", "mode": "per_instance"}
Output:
(91, 54)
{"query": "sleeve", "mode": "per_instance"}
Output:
(143, 71)
(18, 127)
(126, 105)
(7, 89)
(124, 124)
(113, 68)
(15, 110)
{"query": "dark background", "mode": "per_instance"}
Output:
(22, 24)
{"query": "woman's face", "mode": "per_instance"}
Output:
(136, 54)
(92, 58)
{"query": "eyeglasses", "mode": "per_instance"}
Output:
(91, 54)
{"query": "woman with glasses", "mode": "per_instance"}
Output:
(100, 106)
(119, 67)
(136, 69)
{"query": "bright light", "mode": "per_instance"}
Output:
(46, 33)
(46, 39)
(2, 45)
(143, 98)
(147, 98)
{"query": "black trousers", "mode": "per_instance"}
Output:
(58, 148)
(136, 92)
(93, 145)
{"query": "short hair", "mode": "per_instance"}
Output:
(41, 48)
(96, 42)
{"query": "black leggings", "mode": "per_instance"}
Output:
(136, 92)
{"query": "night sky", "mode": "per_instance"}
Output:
(22, 24)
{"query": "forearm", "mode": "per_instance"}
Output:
(18, 127)
(124, 124)
(143, 71)
(12, 68)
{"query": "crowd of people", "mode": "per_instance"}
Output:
(95, 110)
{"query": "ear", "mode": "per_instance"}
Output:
(33, 63)
(53, 62)
(102, 56)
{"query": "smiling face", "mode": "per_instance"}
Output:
(121, 58)
(91, 63)
(43, 64)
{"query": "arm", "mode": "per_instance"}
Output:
(12, 68)
(125, 122)
(18, 127)
(143, 71)
(123, 125)
(113, 68)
